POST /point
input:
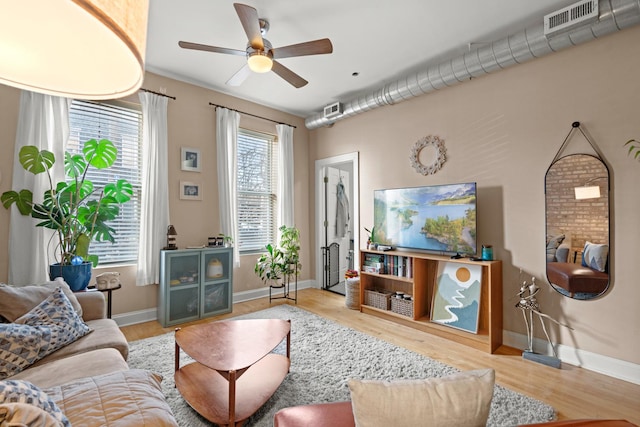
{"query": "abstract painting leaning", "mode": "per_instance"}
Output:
(456, 297)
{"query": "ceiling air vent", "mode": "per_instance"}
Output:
(570, 16)
(333, 110)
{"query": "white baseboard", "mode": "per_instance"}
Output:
(606, 365)
(141, 316)
(133, 317)
(264, 292)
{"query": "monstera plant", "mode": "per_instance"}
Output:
(76, 209)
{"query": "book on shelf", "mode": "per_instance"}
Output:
(374, 263)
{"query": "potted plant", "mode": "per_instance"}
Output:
(75, 209)
(227, 241)
(279, 263)
(269, 266)
(370, 237)
(290, 246)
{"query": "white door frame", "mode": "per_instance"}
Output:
(319, 214)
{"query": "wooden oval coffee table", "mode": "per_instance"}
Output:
(234, 372)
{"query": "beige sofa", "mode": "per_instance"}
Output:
(89, 379)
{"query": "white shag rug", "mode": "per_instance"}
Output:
(324, 355)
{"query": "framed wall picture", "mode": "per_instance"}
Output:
(190, 159)
(456, 298)
(190, 191)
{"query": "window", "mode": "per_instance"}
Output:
(121, 124)
(257, 183)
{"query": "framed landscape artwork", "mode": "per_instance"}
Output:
(456, 296)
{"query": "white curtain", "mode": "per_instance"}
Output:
(43, 121)
(285, 177)
(154, 209)
(227, 123)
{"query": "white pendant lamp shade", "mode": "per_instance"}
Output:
(84, 49)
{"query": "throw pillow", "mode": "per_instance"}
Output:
(21, 346)
(595, 256)
(461, 400)
(17, 300)
(57, 311)
(49, 326)
(552, 245)
(22, 403)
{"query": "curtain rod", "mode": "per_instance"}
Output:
(253, 115)
(157, 93)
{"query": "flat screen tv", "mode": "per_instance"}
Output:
(437, 218)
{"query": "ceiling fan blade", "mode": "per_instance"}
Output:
(251, 24)
(294, 79)
(207, 48)
(315, 47)
(240, 76)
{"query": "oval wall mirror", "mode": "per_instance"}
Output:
(577, 226)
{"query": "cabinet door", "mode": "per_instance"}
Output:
(183, 304)
(216, 299)
(180, 277)
(217, 268)
(216, 265)
(182, 268)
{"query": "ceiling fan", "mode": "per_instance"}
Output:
(261, 55)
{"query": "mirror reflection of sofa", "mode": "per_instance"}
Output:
(586, 276)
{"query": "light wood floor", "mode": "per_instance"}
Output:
(573, 392)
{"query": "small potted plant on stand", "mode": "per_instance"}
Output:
(77, 211)
(280, 263)
(269, 266)
(290, 246)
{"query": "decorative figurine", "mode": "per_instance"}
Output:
(529, 305)
(108, 280)
(171, 238)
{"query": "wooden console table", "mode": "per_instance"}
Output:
(234, 372)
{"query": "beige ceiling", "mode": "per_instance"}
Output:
(378, 39)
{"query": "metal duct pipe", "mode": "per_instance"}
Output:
(614, 15)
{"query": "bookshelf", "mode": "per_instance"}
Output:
(414, 273)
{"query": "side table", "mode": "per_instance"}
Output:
(109, 292)
(234, 371)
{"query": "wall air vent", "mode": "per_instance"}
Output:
(570, 16)
(333, 110)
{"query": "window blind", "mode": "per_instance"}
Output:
(121, 124)
(256, 184)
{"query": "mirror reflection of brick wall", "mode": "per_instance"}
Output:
(580, 220)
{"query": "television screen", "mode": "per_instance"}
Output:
(439, 218)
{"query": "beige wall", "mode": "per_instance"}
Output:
(191, 123)
(502, 131)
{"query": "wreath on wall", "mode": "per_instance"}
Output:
(440, 158)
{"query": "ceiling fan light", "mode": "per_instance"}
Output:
(85, 49)
(259, 62)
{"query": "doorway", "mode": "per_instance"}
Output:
(337, 220)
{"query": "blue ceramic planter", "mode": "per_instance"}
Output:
(76, 276)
